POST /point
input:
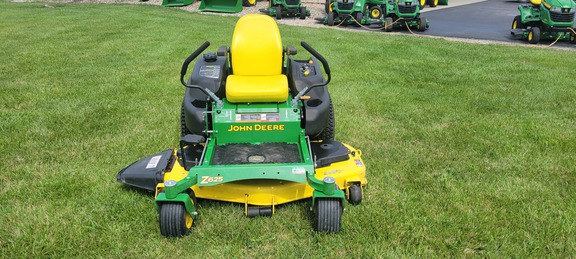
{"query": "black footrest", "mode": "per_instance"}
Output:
(328, 152)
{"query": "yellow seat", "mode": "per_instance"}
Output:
(536, 2)
(256, 56)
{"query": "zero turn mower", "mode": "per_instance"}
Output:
(257, 129)
(545, 19)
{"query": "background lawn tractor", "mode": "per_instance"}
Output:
(432, 3)
(286, 8)
(350, 12)
(223, 6)
(257, 129)
(545, 19)
(402, 14)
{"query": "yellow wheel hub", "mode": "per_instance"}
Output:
(331, 7)
(375, 13)
(530, 36)
(252, 2)
(514, 25)
(422, 2)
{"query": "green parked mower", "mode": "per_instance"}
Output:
(170, 3)
(404, 14)
(545, 19)
(353, 12)
(389, 14)
(223, 6)
(286, 8)
(220, 6)
(258, 130)
(432, 3)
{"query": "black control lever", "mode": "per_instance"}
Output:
(193, 56)
(318, 56)
(326, 70)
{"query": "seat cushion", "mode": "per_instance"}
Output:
(256, 46)
(256, 89)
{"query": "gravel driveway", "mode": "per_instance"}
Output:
(316, 11)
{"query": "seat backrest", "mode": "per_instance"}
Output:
(256, 46)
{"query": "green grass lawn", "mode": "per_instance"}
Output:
(470, 148)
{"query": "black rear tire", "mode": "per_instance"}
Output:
(328, 215)
(355, 194)
(302, 12)
(328, 132)
(248, 3)
(174, 220)
(375, 12)
(183, 129)
(517, 23)
(327, 6)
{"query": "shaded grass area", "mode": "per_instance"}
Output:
(470, 148)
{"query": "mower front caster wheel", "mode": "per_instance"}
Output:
(328, 215)
(354, 194)
(174, 220)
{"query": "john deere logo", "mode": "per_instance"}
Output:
(257, 127)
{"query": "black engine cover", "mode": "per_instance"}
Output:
(209, 72)
(317, 108)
